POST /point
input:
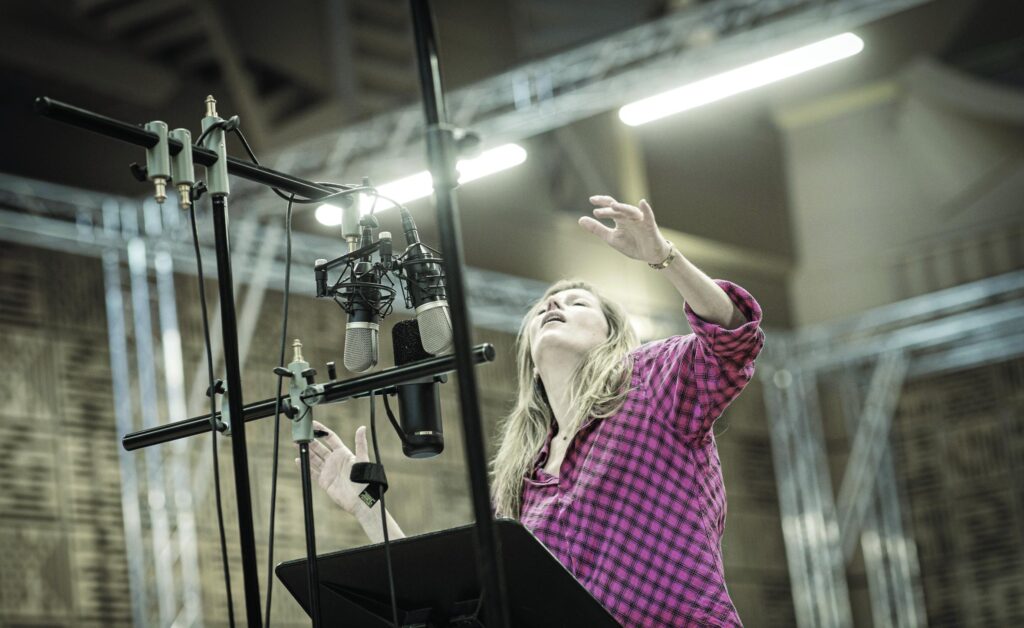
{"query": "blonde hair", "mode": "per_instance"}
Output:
(598, 387)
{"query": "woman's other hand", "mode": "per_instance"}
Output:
(330, 464)
(636, 234)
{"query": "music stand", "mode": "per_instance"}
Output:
(436, 583)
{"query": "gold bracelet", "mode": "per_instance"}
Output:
(668, 260)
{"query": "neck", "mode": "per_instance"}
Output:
(557, 378)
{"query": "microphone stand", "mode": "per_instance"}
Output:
(301, 413)
(441, 158)
(213, 155)
(217, 184)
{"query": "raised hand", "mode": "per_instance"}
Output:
(330, 464)
(636, 234)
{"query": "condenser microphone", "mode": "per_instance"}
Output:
(320, 273)
(363, 327)
(425, 280)
(419, 406)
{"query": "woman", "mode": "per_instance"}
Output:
(608, 456)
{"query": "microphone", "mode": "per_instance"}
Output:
(321, 277)
(425, 280)
(419, 407)
(363, 327)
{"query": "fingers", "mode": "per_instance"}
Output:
(595, 227)
(619, 216)
(624, 210)
(362, 454)
(319, 450)
(645, 207)
(331, 442)
(331, 439)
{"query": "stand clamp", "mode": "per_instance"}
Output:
(223, 425)
(213, 130)
(158, 158)
(303, 394)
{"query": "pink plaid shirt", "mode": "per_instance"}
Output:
(638, 510)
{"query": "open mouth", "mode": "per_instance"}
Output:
(553, 316)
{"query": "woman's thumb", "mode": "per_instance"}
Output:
(361, 450)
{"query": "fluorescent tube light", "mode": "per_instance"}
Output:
(420, 185)
(741, 79)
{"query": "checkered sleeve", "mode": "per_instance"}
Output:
(692, 379)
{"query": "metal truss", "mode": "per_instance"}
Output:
(61, 218)
(561, 89)
(171, 563)
(870, 442)
(949, 330)
(120, 374)
(806, 505)
(890, 556)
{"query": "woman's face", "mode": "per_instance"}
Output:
(568, 322)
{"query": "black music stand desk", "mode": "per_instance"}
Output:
(436, 583)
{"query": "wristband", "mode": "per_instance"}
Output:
(368, 498)
(668, 260)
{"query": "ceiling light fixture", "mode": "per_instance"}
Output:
(421, 185)
(741, 79)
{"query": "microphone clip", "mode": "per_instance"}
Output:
(362, 281)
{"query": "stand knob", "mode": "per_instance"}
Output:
(309, 375)
(216, 389)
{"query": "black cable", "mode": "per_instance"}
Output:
(383, 509)
(228, 125)
(277, 408)
(394, 422)
(213, 417)
(344, 190)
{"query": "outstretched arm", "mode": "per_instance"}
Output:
(636, 235)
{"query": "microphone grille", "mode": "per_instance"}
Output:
(360, 348)
(436, 329)
(405, 336)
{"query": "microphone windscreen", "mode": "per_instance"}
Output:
(435, 328)
(405, 336)
(361, 348)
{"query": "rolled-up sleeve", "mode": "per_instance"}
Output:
(692, 379)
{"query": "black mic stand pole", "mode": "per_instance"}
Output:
(300, 411)
(217, 184)
(441, 158)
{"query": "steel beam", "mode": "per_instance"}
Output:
(890, 555)
(870, 442)
(53, 216)
(558, 90)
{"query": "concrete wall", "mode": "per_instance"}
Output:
(895, 192)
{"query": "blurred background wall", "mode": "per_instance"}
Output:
(872, 207)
